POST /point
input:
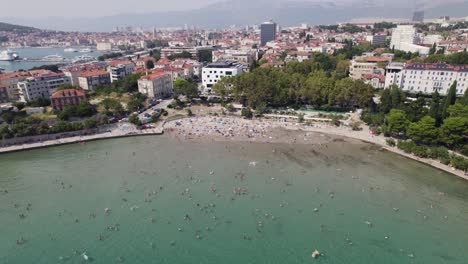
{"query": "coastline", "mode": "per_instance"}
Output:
(229, 128)
(263, 130)
(116, 133)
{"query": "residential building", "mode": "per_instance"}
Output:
(119, 69)
(67, 97)
(241, 56)
(404, 38)
(10, 80)
(104, 46)
(213, 72)
(375, 80)
(41, 86)
(267, 32)
(74, 72)
(156, 85)
(4, 94)
(378, 40)
(141, 62)
(427, 78)
(362, 65)
(194, 51)
(90, 80)
(403, 34)
(453, 46)
(393, 74)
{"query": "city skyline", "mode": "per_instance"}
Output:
(118, 7)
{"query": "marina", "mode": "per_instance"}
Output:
(27, 58)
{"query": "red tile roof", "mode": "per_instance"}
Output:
(67, 93)
(154, 75)
(371, 76)
(93, 73)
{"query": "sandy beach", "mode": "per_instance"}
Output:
(229, 128)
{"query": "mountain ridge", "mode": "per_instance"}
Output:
(243, 12)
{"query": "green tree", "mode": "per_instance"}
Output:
(205, 55)
(435, 108)
(454, 131)
(149, 64)
(187, 88)
(424, 131)
(247, 113)
(450, 99)
(385, 101)
(84, 109)
(133, 118)
(397, 122)
(183, 54)
(458, 110)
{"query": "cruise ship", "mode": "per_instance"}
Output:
(83, 59)
(86, 50)
(54, 58)
(8, 55)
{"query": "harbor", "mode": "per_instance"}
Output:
(30, 57)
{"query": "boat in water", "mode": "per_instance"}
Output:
(83, 59)
(8, 55)
(54, 58)
(86, 50)
(70, 50)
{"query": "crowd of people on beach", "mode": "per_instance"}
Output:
(208, 127)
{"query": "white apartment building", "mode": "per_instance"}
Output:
(403, 34)
(104, 46)
(244, 57)
(41, 86)
(156, 85)
(393, 74)
(427, 78)
(213, 72)
(90, 80)
(120, 69)
(404, 38)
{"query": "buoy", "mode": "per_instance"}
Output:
(315, 254)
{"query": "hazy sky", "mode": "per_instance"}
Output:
(86, 8)
(93, 8)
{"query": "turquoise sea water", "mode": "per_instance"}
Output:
(175, 202)
(39, 53)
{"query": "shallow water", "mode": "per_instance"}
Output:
(155, 186)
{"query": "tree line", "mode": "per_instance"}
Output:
(320, 82)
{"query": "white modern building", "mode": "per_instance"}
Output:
(404, 38)
(213, 72)
(403, 34)
(427, 78)
(104, 46)
(120, 69)
(393, 74)
(156, 85)
(41, 86)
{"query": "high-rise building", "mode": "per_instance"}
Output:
(403, 34)
(267, 32)
(418, 16)
(404, 38)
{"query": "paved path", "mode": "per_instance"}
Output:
(121, 130)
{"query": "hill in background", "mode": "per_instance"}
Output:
(5, 27)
